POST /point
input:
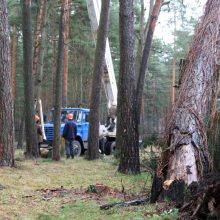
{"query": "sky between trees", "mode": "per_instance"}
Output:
(165, 24)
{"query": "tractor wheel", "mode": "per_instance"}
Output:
(77, 148)
(108, 149)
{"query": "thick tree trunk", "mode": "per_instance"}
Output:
(14, 58)
(213, 137)
(65, 62)
(58, 86)
(213, 126)
(6, 101)
(93, 142)
(31, 131)
(37, 41)
(127, 132)
(187, 156)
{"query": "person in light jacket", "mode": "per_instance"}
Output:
(39, 132)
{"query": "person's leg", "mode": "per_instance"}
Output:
(67, 148)
(71, 149)
(39, 148)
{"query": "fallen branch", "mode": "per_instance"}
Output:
(27, 196)
(128, 203)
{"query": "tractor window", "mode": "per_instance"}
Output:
(86, 117)
(65, 112)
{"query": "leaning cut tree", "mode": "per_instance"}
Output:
(187, 158)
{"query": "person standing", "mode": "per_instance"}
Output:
(39, 132)
(69, 134)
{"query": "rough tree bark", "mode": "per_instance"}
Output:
(31, 132)
(93, 141)
(213, 126)
(58, 86)
(6, 101)
(127, 131)
(187, 158)
(66, 48)
(13, 58)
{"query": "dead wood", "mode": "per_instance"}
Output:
(171, 191)
(203, 200)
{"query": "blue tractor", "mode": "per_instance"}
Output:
(81, 118)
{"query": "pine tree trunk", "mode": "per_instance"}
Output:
(174, 63)
(54, 66)
(65, 65)
(93, 141)
(127, 132)
(213, 126)
(39, 76)
(6, 100)
(81, 79)
(58, 86)
(74, 84)
(37, 41)
(187, 157)
(143, 33)
(14, 59)
(21, 132)
(145, 56)
(31, 131)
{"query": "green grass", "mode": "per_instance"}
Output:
(23, 197)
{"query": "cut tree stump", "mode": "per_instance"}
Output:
(203, 201)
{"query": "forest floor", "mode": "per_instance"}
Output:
(48, 190)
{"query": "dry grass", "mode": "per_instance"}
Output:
(22, 196)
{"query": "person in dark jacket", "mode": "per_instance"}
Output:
(69, 134)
